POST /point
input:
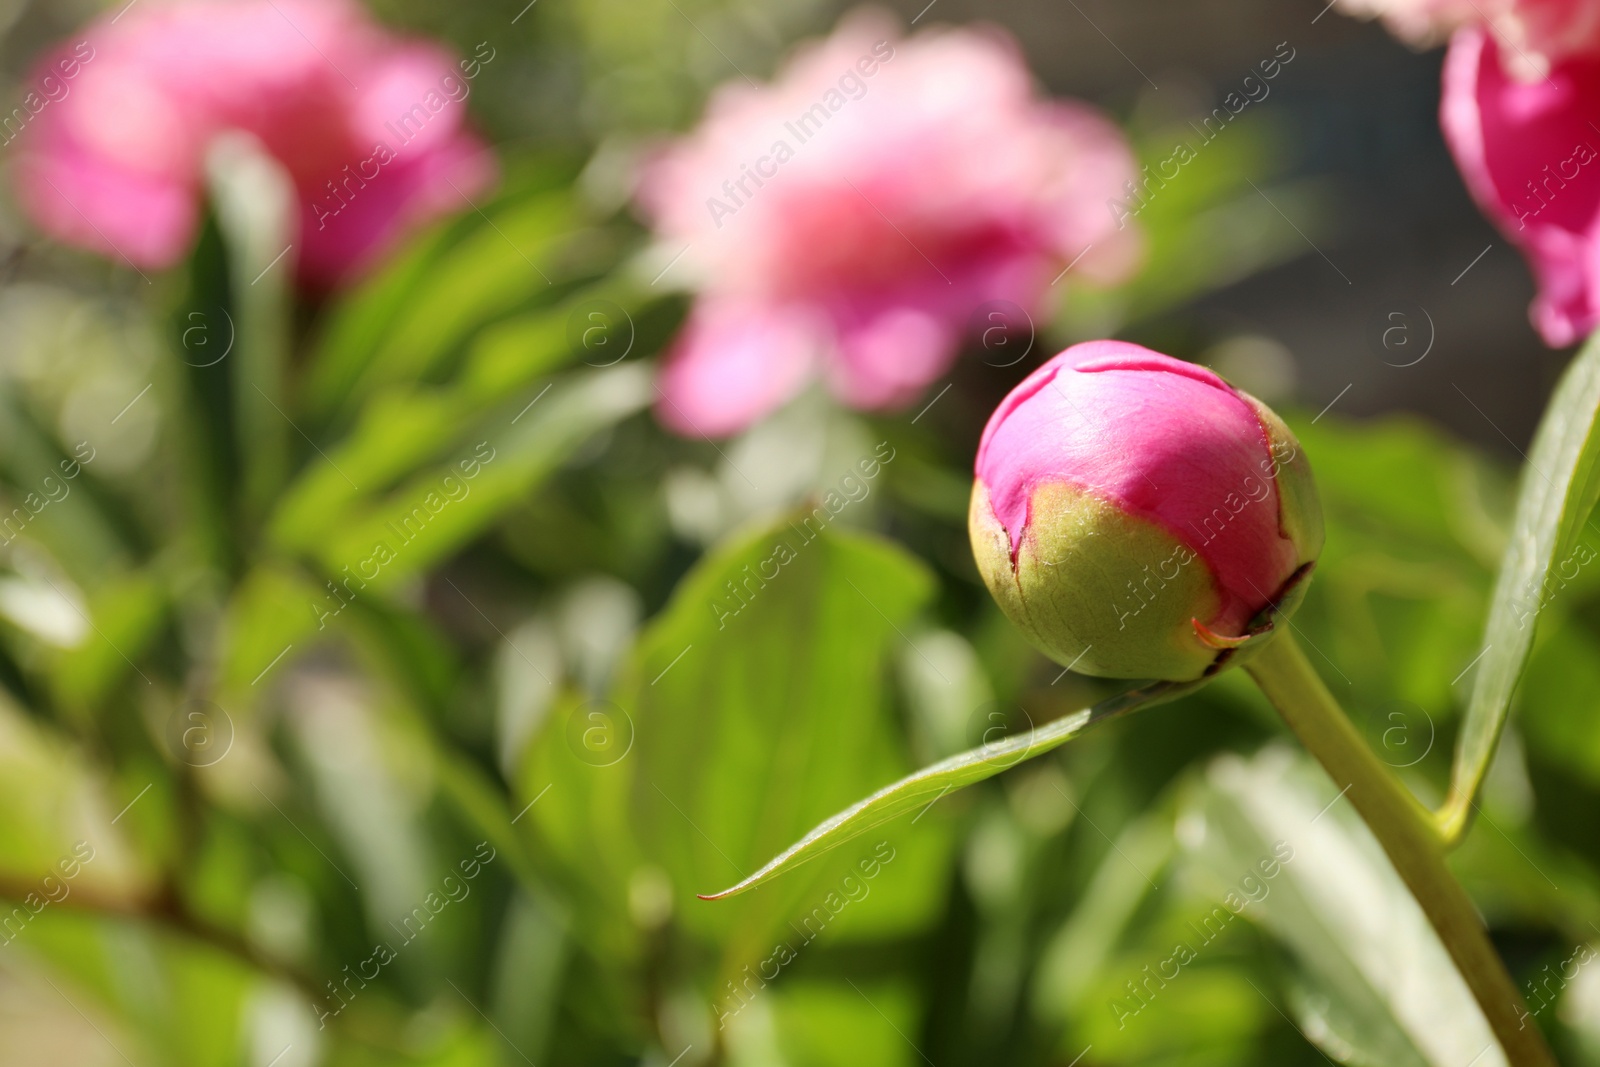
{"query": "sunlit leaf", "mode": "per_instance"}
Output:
(400, 330)
(929, 784)
(740, 720)
(1271, 840)
(1559, 490)
(402, 428)
(254, 202)
(501, 456)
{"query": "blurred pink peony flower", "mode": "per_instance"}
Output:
(1528, 152)
(370, 128)
(1133, 513)
(849, 218)
(1536, 34)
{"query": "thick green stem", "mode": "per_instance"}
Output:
(1406, 832)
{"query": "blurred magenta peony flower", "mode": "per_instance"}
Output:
(1133, 514)
(849, 218)
(1528, 153)
(370, 128)
(1537, 34)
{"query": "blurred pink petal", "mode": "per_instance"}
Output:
(94, 203)
(1528, 153)
(733, 364)
(369, 127)
(887, 188)
(411, 190)
(888, 361)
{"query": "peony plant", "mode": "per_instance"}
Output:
(1135, 516)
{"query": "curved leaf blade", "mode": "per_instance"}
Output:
(1561, 485)
(1367, 977)
(929, 784)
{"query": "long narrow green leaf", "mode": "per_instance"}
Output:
(422, 523)
(1559, 490)
(254, 203)
(929, 784)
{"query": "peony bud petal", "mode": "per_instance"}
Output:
(1528, 153)
(1135, 515)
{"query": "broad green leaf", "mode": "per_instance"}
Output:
(1559, 490)
(921, 789)
(1270, 840)
(754, 704)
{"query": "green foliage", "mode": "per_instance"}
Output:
(927, 786)
(582, 654)
(755, 704)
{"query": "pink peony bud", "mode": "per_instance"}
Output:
(1530, 154)
(371, 129)
(1135, 514)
